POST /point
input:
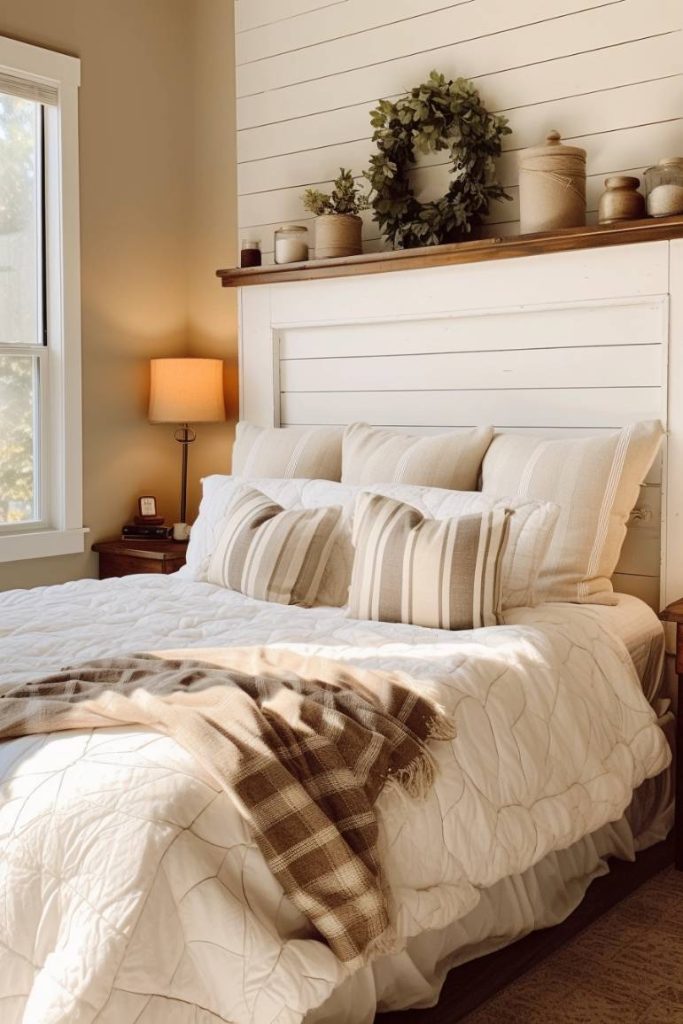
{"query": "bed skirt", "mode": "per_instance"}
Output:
(541, 897)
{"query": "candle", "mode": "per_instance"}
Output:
(291, 245)
(290, 250)
(250, 254)
(665, 200)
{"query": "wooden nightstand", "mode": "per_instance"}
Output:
(674, 613)
(126, 557)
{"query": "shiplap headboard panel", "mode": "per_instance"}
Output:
(606, 73)
(572, 343)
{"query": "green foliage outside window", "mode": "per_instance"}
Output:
(16, 439)
(17, 162)
(19, 281)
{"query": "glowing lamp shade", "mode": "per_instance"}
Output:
(186, 391)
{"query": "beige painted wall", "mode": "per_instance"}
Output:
(157, 188)
(213, 214)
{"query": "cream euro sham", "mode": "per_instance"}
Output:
(311, 453)
(595, 481)
(372, 455)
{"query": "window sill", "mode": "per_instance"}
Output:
(41, 544)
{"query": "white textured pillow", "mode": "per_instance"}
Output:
(373, 455)
(595, 481)
(438, 573)
(271, 553)
(311, 453)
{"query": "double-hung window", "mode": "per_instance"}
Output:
(40, 388)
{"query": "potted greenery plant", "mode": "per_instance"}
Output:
(337, 224)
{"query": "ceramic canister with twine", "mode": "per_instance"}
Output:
(552, 186)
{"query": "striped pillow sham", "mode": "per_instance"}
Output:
(595, 481)
(273, 554)
(312, 453)
(443, 574)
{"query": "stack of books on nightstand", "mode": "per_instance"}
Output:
(147, 528)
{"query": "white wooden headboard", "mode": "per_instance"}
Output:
(564, 343)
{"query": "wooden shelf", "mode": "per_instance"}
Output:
(590, 237)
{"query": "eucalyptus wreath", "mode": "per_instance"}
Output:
(439, 114)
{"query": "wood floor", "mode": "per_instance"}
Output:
(601, 971)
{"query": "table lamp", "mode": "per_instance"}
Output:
(185, 391)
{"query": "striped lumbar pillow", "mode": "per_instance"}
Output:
(272, 554)
(372, 455)
(310, 453)
(595, 481)
(445, 574)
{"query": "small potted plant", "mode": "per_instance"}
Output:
(337, 224)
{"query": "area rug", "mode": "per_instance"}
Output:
(627, 968)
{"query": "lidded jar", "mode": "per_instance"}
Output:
(664, 187)
(621, 199)
(552, 186)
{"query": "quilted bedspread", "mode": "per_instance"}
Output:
(131, 891)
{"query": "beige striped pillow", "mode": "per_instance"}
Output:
(372, 455)
(595, 481)
(311, 453)
(272, 554)
(444, 574)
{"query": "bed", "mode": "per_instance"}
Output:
(132, 889)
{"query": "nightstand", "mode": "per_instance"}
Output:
(674, 613)
(126, 557)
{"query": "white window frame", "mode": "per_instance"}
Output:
(60, 531)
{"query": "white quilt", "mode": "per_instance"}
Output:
(130, 890)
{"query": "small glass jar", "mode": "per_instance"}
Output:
(664, 187)
(250, 253)
(291, 244)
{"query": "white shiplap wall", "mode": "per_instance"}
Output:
(607, 73)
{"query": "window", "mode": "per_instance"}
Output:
(22, 323)
(40, 433)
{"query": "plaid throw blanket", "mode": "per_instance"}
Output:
(305, 745)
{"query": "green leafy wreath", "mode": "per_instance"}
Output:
(437, 115)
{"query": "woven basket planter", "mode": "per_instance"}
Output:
(338, 234)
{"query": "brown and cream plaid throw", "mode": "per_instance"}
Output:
(305, 745)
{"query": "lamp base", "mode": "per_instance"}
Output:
(185, 436)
